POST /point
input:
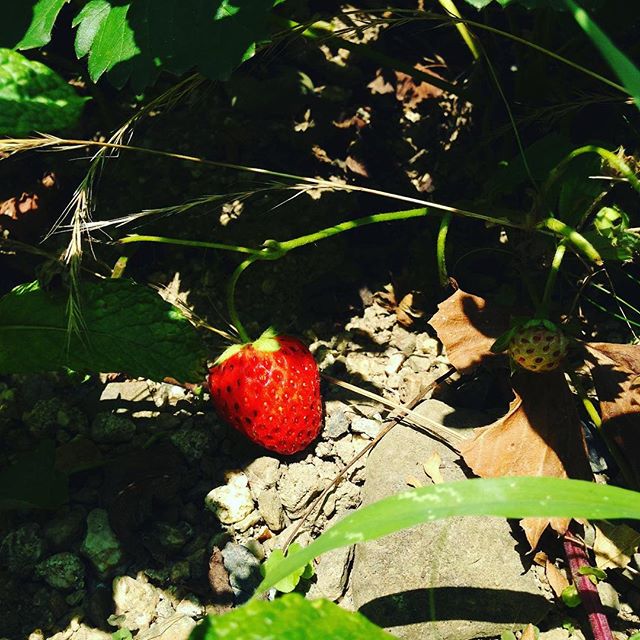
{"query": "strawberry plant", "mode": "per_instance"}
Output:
(137, 40)
(557, 207)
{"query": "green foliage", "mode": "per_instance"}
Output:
(505, 497)
(288, 584)
(557, 5)
(136, 40)
(125, 327)
(32, 481)
(570, 596)
(45, 13)
(611, 235)
(34, 97)
(623, 67)
(593, 572)
(289, 618)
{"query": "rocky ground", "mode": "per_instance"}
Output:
(170, 514)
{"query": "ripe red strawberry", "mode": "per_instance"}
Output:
(270, 391)
(538, 346)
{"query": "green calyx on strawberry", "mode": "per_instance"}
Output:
(535, 345)
(270, 391)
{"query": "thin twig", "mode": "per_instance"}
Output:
(391, 422)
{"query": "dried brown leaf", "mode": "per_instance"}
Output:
(379, 85)
(529, 633)
(356, 166)
(467, 327)
(412, 93)
(539, 436)
(432, 468)
(614, 545)
(616, 374)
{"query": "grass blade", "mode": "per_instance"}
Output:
(623, 67)
(503, 497)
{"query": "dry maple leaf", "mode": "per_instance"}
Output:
(467, 327)
(615, 369)
(541, 433)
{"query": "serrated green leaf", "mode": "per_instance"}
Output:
(519, 497)
(38, 34)
(32, 481)
(289, 618)
(126, 327)
(113, 42)
(34, 97)
(89, 22)
(136, 40)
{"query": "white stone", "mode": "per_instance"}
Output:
(366, 426)
(394, 363)
(135, 602)
(231, 502)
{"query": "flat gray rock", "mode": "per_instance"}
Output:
(456, 579)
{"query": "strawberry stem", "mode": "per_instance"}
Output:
(543, 310)
(576, 559)
(231, 299)
(573, 237)
(441, 246)
(349, 225)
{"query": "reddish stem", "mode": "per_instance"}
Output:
(577, 558)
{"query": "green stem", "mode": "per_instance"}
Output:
(441, 245)
(612, 159)
(348, 226)
(450, 7)
(189, 243)
(572, 237)
(231, 299)
(543, 311)
(612, 447)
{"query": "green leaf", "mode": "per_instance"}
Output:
(113, 42)
(125, 327)
(291, 617)
(38, 34)
(503, 340)
(89, 21)
(622, 66)
(570, 596)
(611, 236)
(519, 497)
(557, 5)
(288, 584)
(592, 571)
(136, 40)
(479, 4)
(34, 97)
(32, 480)
(577, 191)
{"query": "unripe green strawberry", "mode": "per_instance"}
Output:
(538, 347)
(270, 391)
